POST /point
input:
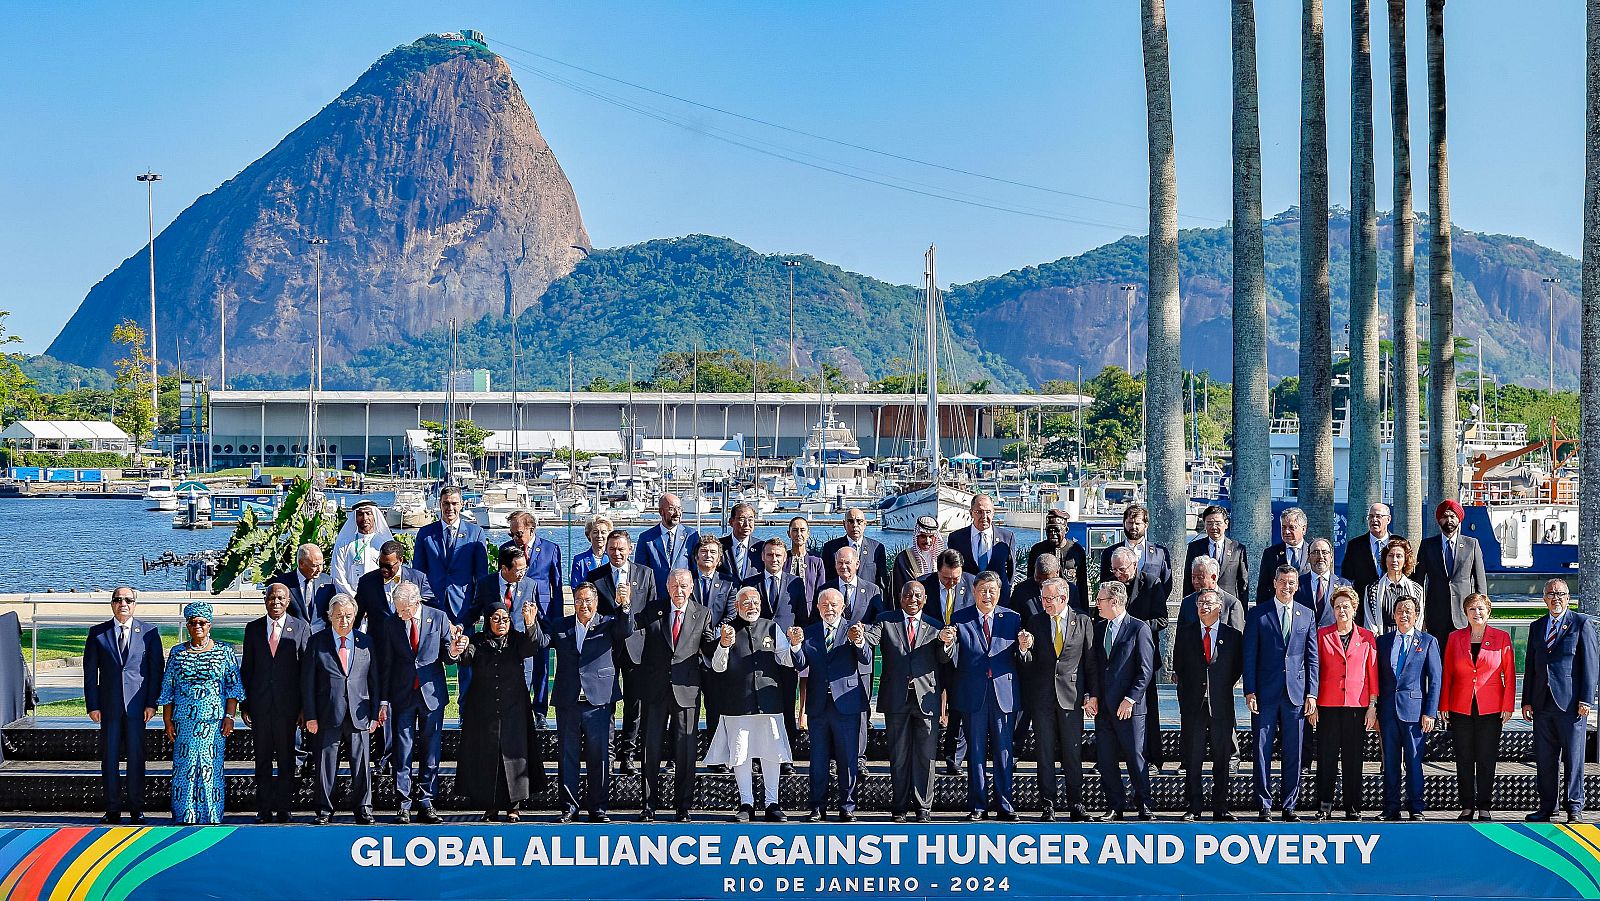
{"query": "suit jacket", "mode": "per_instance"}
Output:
(842, 672)
(964, 599)
(1063, 681)
(1346, 678)
(1129, 669)
(1002, 556)
(314, 611)
(1025, 599)
(652, 551)
(907, 568)
(489, 590)
(1071, 552)
(414, 677)
(372, 599)
(642, 582)
(1147, 601)
(1272, 558)
(544, 572)
(1557, 679)
(716, 594)
(874, 561)
(1276, 670)
(334, 698)
(272, 681)
(1491, 680)
(910, 677)
(120, 686)
(753, 565)
(985, 671)
(1413, 692)
(1359, 566)
(452, 568)
(1234, 567)
(866, 604)
(1444, 590)
(1323, 608)
(811, 574)
(673, 669)
(1157, 562)
(1208, 686)
(592, 670)
(1232, 611)
(788, 608)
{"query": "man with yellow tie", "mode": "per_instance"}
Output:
(1056, 650)
(949, 591)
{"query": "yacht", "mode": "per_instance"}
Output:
(410, 509)
(159, 495)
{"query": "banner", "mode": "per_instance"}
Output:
(725, 861)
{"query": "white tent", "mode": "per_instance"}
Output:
(65, 435)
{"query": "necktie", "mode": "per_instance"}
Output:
(1294, 557)
(272, 638)
(1111, 636)
(1552, 634)
(416, 682)
(705, 590)
(827, 640)
(672, 546)
(983, 550)
(1287, 615)
(849, 599)
(772, 592)
(344, 655)
(987, 635)
(949, 605)
(1205, 643)
(1449, 556)
(677, 624)
(1322, 592)
(122, 640)
(1056, 623)
(740, 557)
(911, 630)
(1405, 648)
(1216, 552)
(508, 600)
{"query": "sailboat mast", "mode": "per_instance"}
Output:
(516, 409)
(694, 440)
(572, 428)
(932, 291)
(755, 427)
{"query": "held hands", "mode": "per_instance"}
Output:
(1427, 723)
(1025, 640)
(1250, 701)
(796, 635)
(854, 635)
(727, 636)
(529, 614)
(1125, 709)
(948, 635)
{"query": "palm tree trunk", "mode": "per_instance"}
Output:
(1316, 349)
(1163, 370)
(1250, 488)
(1366, 468)
(1444, 475)
(1589, 376)
(1407, 438)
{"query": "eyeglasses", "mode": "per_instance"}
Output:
(1558, 594)
(500, 618)
(198, 623)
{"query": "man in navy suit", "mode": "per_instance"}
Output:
(122, 668)
(1291, 551)
(716, 593)
(1281, 669)
(544, 561)
(863, 602)
(452, 554)
(1125, 653)
(1317, 586)
(309, 587)
(1409, 675)
(950, 591)
(667, 545)
(411, 646)
(626, 590)
(873, 558)
(783, 600)
(980, 648)
(838, 652)
(589, 649)
(1233, 568)
(1558, 691)
(741, 550)
(270, 672)
(342, 698)
(986, 547)
(375, 590)
(1153, 558)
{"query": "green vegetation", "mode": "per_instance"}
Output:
(469, 436)
(70, 459)
(257, 550)
(53, 376)
(134, 410)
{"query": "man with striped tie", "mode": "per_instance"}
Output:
(1558, 691)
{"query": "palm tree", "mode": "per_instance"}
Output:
(1251, 486)
(1407, 439)
(1365, 466)
(1316, 349)
(1163, 371)
(1443, 475)
(1589, 376)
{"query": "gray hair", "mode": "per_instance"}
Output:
(1047, 563)
(985, 577)
(842, 551)
(749, 591)
(341, 600)
(1293, 513)
(304, 550)
(133, 593)
(1207, 563)
(1117, 590)
(1055, 582)
(406, 591)
(1124, 554)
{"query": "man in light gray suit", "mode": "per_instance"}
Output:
(1449, 567)
(908, 698)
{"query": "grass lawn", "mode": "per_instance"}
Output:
(56, 643)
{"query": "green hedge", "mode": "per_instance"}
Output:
(68, 460)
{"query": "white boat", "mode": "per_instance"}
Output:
(700, 503)
(759, 499)
(832, 440)
(625, 512)
(498, 502)
(949, 504)
(598, 472)
(573, 501)
(193, 506)
(409, 510)
(555, 471)
(159, 495)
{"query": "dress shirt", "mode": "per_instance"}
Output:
(580, 631)
(1285, 611)
(1295, 554)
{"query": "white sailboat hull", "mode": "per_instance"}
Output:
(951, 506)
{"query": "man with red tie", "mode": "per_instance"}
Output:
(273, 646)
(672, 648)
(342, 696)
(1207, 663)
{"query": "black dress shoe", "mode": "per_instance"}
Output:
(322, 819)
(1467, 814)
(1413, 814)
(720, 769)
(364, 819)
(744, 813)
(1538, 816)
(683, 816)
(847, 816)
(775, 814)
(1047, 815)
(1352, 814)
(975, 817)
(1079, 815)
(1485, 816)
(897, 818)
(1290, 816)
(284, 817)
(1145, 814)
(136, 819)
(599, 817)
(924, 816)
(1118, 815)
(813, 816)
(430, 816)
(1007, 816)
(403, 817)
(567, 816)
(647, 816)
(261, 818)
(1264, 816)
(1224, 816)
(949, 769)
(1188, 818)
(624, 766)
(1390, 817)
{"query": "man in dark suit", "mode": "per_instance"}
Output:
(589, 649)
(270, 673)
(1291, 551)
(667, 545)
(908, 698)
(1280, 686)
(986, 547)
(838, 652)
(741, 550)
(1025, 598)
(1152, 558)
(1317, 586)
(869, 551)
(713, 590)
(342, 698)
(804, 565)
(122, 668)
(863, 602)
(411, 648)
(1233, 569)
(1409, 675)
(626, 591)
(1057, 652)
(1069, 554)
(1203, 575)
(1449, 567)
(375, 590)
(309, 587)
(1558, 691)
(453, 555)
(1207, 662)
(950, 592)
(544, 562)
(1145, 603)
(1363, 552)
(918, 560)
(1125, 654)
(979, 646)
(671, 647)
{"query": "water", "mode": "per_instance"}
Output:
(63, 544)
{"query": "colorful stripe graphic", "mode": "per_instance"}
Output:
(1571, 853)
(94, 864)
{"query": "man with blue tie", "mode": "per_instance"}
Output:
(1558, 690)
(741, 551)
(986, 547)
(1409, 674)
(453, 555)
(411, 647)
(980, 648)
(839, 655)
(309, 587)
(667, 545)
(544, 561)
(122, 669)
(783, 600)
(863, 602)
(588, 648)
(1281, 669)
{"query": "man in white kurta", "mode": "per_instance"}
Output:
(746, 666)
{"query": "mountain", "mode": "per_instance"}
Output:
(429, 179)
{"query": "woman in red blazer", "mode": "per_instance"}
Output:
(1480, 691)
(1347, 692)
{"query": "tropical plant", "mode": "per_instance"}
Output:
(256, 549)
(1407, 434)
(1443, 475)
(1589, 376)
(1250, 489)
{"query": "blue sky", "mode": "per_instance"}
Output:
(1047, 94)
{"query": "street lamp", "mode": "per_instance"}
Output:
(316, 352)
(1132, 293)
(791, 265)
(150, 178)
(1550, 295)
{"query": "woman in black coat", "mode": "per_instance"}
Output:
(493, 767)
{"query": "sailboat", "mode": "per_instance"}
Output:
(935, 494)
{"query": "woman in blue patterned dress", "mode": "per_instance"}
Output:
(199, 696)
